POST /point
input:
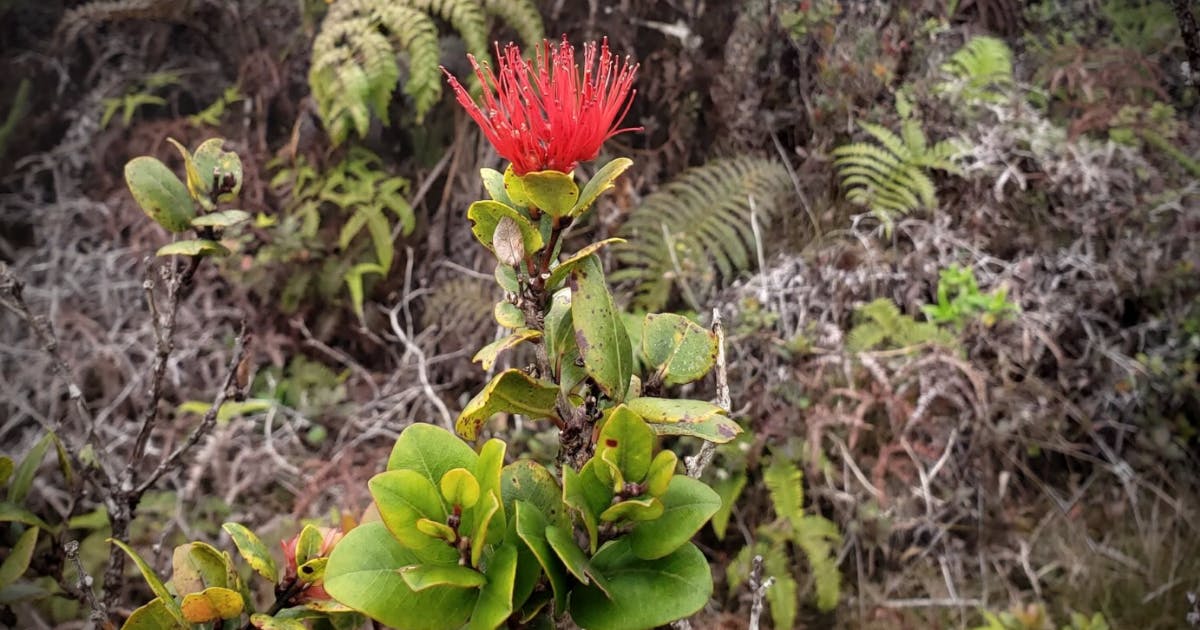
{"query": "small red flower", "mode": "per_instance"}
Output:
(543, 115)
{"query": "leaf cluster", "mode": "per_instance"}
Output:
(959, 300)
(882, 326)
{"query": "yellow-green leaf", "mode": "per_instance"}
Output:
(485, 216)
(488, 354)
(160, 193)
(510, 391)
(599, 332)
(560, 272)
(156, 585)
(212, 604)
(222, 219)
(155, 615)
(553, 192)
(599, 183)
(18, 557)
(195, 247)
(253, 551)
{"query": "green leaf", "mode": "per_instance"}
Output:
(22, 478)
(229, 410)
(159, 193)
(641, 509)
(681, 350)
(493, 182)
(559, 331)
(308, 545)
(156, 615)
(24, 592)
(626, 441)
(18, 557)
(559, 273)
(423, 576)
(563, 543)
(688, 504)
(194, 247)
(6, 469)
(599, 183)
(404, 497)
(156, 585)
(487, 355)
(197, 566)
(312, 571)
(642, 594)
(222, 219)
(696, 418)
(460, 488)
(485, 217)
(485, 512)
(488, 470)
(531, 528)
(363, 573)
(553, 192)
(508, 315)
(198, 186)
(515, 188)
(495, 603)
(528, 481)
(587, 496)
(253, 551)
(662, 470)
(506, 277)
(729, 489)
(511, 391)
(13, 513)
(599, 332)
(212, 604)
(438, 530)
(430, 450)
(354, 283)
(214, 164)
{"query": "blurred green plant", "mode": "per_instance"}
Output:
(211, 116)
(960, 302)
(882, 326)
(979, 72)
(355, 197)
(793, 533)
(142, 95)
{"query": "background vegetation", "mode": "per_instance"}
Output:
(953, 244)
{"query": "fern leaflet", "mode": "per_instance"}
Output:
(981, 69)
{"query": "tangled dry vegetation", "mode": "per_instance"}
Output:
(1046, 458)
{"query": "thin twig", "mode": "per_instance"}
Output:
(84, 583)
(697, 463)
(206, 423)
(758, 588)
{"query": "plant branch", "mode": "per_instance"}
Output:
(84, 584)
(697, 463)
(758, 589)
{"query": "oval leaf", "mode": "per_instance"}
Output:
(364, 574)
(552, 192)
(222, 219)
(485, 218)
(687, 505)
(531, 528)
(460, 488)
(493, 182)
(671, 410)
(599, 332)
(487, 355)
(495, 603)
(403, 498)
(197, 566)
(627, 442)
(430, 450)
(681, 584)
(510, 391)
(515, 188)
(160, 193)
(573, 558)
(253, 551)
(718, 429)
(212, 604)
(195, 247)
(155, 615)
(508, 315)
(680, 349)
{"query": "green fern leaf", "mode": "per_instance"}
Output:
(521, 16)
(696, 231)
(980, 70)
(784, 482)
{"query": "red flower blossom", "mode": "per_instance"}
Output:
(543, 115)
(315, 590)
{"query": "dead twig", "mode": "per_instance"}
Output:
(758, 588)
(697, 463)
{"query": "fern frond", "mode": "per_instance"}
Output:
(462, 305)
(890, 178)
(354, 64)
(816, 536)
(697, 224)
(784, 481)
(981, 68)
(521, 16)
(783, 594)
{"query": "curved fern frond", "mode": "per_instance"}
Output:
(890, 178)
(521, 16)
(699, 224)
(980, 69)
(354, 64)
(815, 535)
